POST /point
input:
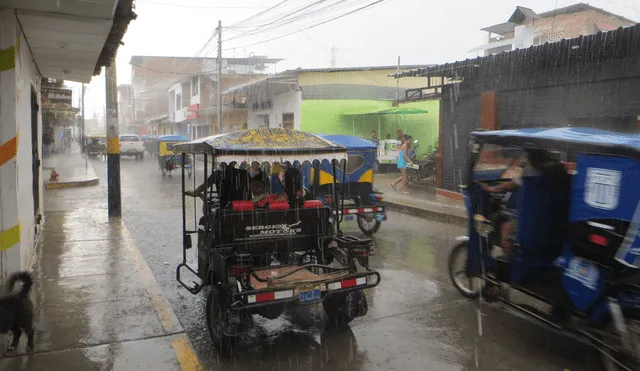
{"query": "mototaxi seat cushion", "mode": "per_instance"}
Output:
(279, 205)
(240, 206)
(312, 204)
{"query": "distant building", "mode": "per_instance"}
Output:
(333, 101)
(177, 94)
(125, 109)
(527, 28)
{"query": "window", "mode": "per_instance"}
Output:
(287, 120)
(129, 138)
(178, 102)
(354, 163)
(265, 120)
(195, 86)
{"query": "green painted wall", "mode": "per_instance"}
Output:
(327, 117)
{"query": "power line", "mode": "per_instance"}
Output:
(315, 25)
(267, 24)
(336, 57)
(306, 12)
(244, 21)
(198, 6)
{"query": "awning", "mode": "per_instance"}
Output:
(72, 39)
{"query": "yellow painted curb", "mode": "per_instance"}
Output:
(10, 237)
(8, 59)
(83, 183)
(186, 356)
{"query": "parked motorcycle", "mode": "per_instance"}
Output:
(422, 174)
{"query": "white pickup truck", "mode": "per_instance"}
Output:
(131, 145)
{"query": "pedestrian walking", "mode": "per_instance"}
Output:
(403, 160)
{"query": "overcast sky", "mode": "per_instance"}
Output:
(419, 31)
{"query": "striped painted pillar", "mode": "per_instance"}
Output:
(9, 218)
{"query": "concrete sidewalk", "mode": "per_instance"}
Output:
(98, 305)
(74, 168)
(419, 202)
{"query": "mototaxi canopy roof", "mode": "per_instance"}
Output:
(273, 145)
(172, 137)
(350, 142)
(584, 140)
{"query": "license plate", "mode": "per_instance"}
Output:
(348, 217)
(309, 294)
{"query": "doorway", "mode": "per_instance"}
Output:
(35, 155)
(287, 120)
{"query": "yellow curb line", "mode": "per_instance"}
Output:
(186, 356)
(78, 184)
(170, 323)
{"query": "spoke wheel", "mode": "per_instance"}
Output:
(368, 224)
(468, 286)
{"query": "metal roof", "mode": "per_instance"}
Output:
(501, 28)
(72, 39)
(521, 14)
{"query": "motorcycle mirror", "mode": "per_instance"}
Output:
(415, 141)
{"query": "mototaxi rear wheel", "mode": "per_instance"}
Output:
(457, 266)
(368, 224)
(218, 322)
(344, 308)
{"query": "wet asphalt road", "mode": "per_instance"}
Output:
(416, 319)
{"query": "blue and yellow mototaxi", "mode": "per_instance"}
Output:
(354, 182)
(169, 160)
(575, 244)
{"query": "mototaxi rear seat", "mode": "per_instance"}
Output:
(542, 212)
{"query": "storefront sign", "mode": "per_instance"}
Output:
(56, 99)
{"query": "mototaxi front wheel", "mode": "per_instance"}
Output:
(457, 266)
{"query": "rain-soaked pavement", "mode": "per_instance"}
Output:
(416, 319)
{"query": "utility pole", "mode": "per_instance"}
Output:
(82, 134)
(113, 143)
(398, 83)
(219, 60)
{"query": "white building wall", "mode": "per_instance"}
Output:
(286, 103)
(17, 220)
(179, 114)
(27, 78)
(283, 103)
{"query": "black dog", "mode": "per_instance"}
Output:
(16, 310)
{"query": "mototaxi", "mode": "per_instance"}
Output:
(354, 183)
(576, 245)
(168, 159)
(96, 145)
(268, 260)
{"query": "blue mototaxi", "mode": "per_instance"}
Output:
(354, 182)
(576, 246)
